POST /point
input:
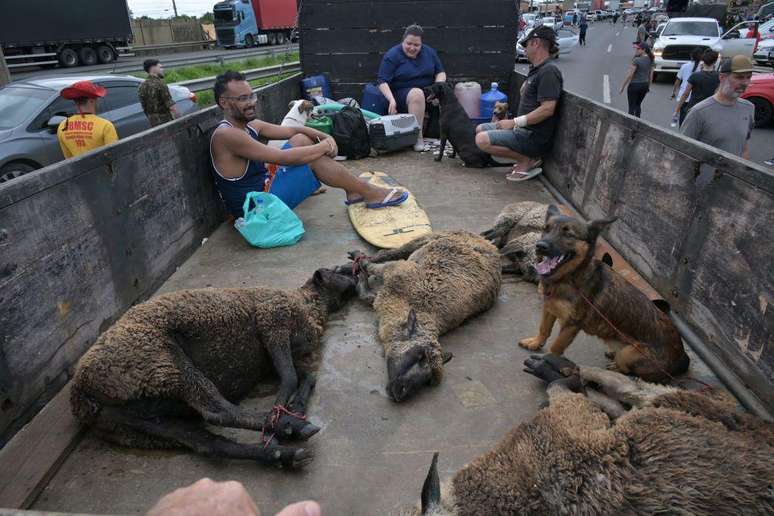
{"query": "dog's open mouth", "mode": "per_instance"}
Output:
(549, 264)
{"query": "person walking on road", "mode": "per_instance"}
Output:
(638, 78)
(84, 131)
(583, 25)
(725, 120)
(701, 84)
(154, 95)
(642, 32)
(681, 82)
(615, 17)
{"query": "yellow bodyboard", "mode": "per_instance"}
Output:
(391, 227)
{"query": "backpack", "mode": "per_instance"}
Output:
(351, 133)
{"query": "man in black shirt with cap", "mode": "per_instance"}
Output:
(528, 137)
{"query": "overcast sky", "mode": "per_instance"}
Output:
(157, 8)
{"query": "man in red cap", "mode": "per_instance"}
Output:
(84, 131)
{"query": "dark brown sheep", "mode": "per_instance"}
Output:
(516, 230)
(185, 358)
(421, 291)
(675, 452)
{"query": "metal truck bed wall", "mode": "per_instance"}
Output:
(346, 40)
(696, 222)
(84, 239)
(23, 23)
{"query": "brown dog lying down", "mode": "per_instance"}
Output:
(585, 294)
(674, 452)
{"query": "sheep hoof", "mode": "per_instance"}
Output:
(308, 431)
(532, 343)
(300, 458)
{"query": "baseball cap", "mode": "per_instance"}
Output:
(82, 89)
(542, 32)
(736, 64)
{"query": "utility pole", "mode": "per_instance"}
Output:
(174, 7)
(5, 74)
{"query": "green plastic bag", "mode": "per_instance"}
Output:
(270, 223)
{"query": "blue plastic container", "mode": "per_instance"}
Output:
(373, 100)
(489, 99)
(316, 86)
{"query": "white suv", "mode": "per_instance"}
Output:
(681, 35)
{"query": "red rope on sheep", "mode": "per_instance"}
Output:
(277, 411)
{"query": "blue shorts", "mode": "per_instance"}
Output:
(518, 140)
(400, 98)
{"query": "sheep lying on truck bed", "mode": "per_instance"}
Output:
(185, 358)
(675, 452)
(516, 230)
(421, 291)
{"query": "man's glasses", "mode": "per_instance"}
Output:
(243, 98)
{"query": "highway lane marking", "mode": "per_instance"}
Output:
(606, 88)
(610, 47)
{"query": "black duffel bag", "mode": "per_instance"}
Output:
(351, 133)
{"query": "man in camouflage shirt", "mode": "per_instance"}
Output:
(154, 95)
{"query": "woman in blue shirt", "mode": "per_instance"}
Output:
(406, 69)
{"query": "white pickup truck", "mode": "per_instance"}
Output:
(681, 35)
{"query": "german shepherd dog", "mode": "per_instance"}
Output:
(457, 128)
(586, 294)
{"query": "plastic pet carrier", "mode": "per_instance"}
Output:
(393, 132)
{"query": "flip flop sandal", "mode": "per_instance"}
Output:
(387, 202)
(517, 177)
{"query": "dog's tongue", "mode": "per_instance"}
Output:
(546, 265)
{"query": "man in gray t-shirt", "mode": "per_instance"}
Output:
(724, 120)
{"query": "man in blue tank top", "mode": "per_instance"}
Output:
(239, 158)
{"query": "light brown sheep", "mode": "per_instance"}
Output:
(675, 452)
(516, 230)
(185, 358)
(421, 291)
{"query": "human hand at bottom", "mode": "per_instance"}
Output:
(393, 108)
(208, 498)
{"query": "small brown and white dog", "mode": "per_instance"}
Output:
(500, 111)
(300, 111)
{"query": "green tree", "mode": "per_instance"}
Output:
(207, 18)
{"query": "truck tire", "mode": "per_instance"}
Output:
(272, 38)
(15, 169)
(105, 54)
(281, 38)
(68, 58)
(88, 56)
(763, 111)
(249, 42)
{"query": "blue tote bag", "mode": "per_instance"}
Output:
(270, 223)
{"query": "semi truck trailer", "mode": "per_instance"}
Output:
(246, 23)
(78, 32)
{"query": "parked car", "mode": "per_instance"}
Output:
(31, 110)
(764, 55)
(761, 93)
(681, 35)
(529, 19)
(566, 38)
(547, 21)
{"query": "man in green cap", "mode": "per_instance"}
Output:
(724, 120)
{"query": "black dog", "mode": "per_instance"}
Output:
(457, 128)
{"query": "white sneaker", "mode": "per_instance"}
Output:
(420, 145)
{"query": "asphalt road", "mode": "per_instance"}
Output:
(605, 60)
(136, 61)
